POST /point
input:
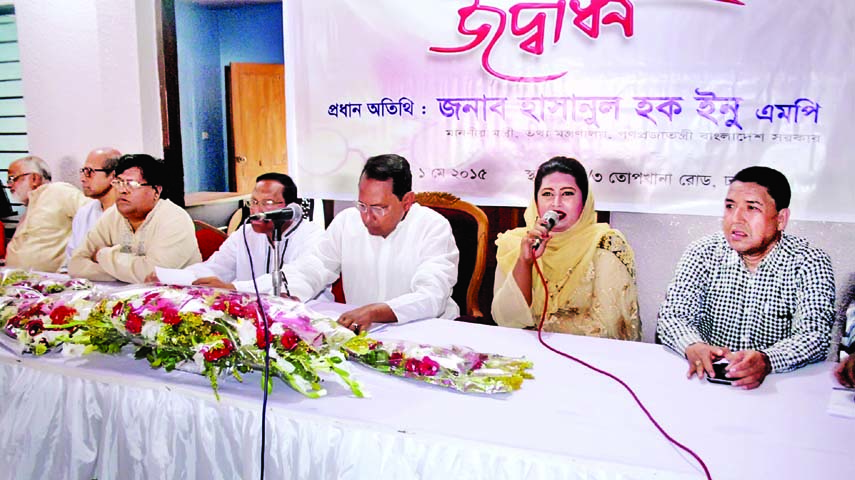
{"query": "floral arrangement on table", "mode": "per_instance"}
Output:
(42, 283)
(455, 367)
(41, 322)
(215, 332)
(211, 331)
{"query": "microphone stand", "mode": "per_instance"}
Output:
(278, 277)
(278, 235)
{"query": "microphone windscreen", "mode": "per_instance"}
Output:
(550, 218)
(298, 210)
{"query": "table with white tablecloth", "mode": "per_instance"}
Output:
(104, 417)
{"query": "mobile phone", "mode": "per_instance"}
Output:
(720, 372)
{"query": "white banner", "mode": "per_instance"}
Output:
(662, 101)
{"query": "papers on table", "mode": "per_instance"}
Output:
(842, 402)
(174, 276)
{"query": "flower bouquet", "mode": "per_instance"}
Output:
(210, 331)
(40, 322)
(46, 284)
(456, 367)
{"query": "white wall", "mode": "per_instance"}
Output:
(89, 72)
(659, 241)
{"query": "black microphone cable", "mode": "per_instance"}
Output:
(266, 372)
(266, 321)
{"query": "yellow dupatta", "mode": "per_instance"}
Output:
(566, 260)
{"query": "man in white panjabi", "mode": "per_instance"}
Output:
(397, 259)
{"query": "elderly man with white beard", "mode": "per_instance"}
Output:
(42, 235)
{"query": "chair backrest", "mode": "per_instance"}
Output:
(469, 225)
(209, 238)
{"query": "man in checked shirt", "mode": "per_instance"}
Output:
(752, 294)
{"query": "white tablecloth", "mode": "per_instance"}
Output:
(114, 417)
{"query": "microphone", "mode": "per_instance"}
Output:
(290, 212)
(549, 220)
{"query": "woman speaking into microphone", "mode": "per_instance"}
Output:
(589, 267)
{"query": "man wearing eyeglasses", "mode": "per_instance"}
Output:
(95, 178)
(397, 259)
(232, 266)
(42, 235)
(140, 232)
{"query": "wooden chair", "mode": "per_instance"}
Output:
(469, 225)
(209, 238)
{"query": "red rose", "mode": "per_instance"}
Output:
(235, 310)
(170, 316)
(250, 311)
(412, 365)
(219, 305)
(395, 359)
(260, 338)
(117, 308)
(134, 323)
(14, 322)
(35, 327)
(290, 340)
(61, 314)
(219, 351)
(428, 367)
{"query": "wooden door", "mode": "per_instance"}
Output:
(256, 122)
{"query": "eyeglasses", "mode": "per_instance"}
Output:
(263, 203)
(121, 183)
(87, 172)
(377, 210)
(14, 178)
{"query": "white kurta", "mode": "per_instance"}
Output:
(231, 263)
(412, 270)
(86, 218)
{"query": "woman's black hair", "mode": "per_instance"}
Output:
(567, 165)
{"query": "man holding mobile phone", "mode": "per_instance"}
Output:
(753, 295)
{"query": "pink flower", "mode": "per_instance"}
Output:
(290, 340)
(479, 362)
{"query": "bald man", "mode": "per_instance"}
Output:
(95, 177)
